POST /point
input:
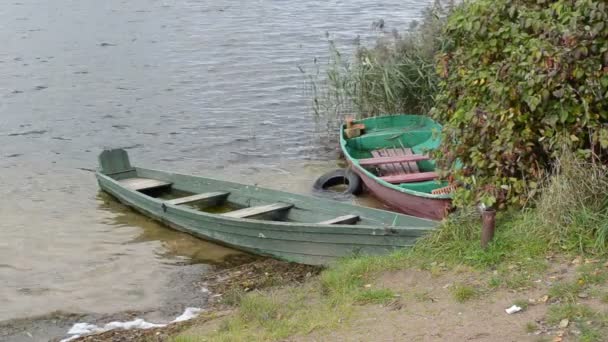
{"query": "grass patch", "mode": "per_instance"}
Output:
(531, 327)
(591, 334)
(379, 296)
(573, 312)
(592, 274)
(233, 296)
(522, 303)
(276, 315)
(565, 291)
(462, 293)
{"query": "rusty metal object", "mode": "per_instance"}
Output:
(488, 218)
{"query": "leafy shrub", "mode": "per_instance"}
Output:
(517, 79)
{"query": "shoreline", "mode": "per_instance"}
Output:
(204, 289)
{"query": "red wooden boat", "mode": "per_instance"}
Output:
(390, 154)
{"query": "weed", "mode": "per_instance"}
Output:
(233, 296)
(592, 274)
(557, 312)
(379, 296)
(462, 293)
(531, 327)
(495, 282)
(565, 291)
(423, 297)
(522, 303)
(591, 334)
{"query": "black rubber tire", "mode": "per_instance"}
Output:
(340, 176)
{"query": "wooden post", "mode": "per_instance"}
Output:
(488, 218)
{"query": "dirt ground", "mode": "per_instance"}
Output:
(427, 311)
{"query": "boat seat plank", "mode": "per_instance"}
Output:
(138, 184)
(385, 169)
(258, 210)
(392, 160)
(346, 219)
(199, 197)
(410, 178)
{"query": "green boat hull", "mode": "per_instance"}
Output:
(296, 236)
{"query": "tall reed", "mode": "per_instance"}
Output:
(396, 75)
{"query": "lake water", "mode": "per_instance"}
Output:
(204, 87)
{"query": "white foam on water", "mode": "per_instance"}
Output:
(80, 329)
(189, 314)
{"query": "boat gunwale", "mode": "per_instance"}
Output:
(355, 163)
(278, 225)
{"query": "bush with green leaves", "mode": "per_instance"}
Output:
(518, 78)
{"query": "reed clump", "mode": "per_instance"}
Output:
(396, 75)
(572, 208)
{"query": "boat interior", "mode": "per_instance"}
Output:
(396, 150)
(234, 200)
(229, 203)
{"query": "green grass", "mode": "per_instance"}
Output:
(379, 296)
(558, 312)
(522, 303)
(591, 334)
(565, 291)
(531, 327)
(462, 293)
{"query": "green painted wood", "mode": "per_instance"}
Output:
(259, 210)
(139, 184)
(300, 239)
(346, 219)
(214, 196)
(114, 161)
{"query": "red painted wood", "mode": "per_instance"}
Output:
(391, 160)
(410, 178)
(431, 208)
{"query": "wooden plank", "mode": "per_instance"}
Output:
(199, 197)
(385, 169)
(401, 167)
(346, 219)
(410, 178)
(413, 166)
(390, 160)
(394, 168)
(139, 184)
(259, 210)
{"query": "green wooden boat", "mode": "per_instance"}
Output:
(267, 222)
(391, 157)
